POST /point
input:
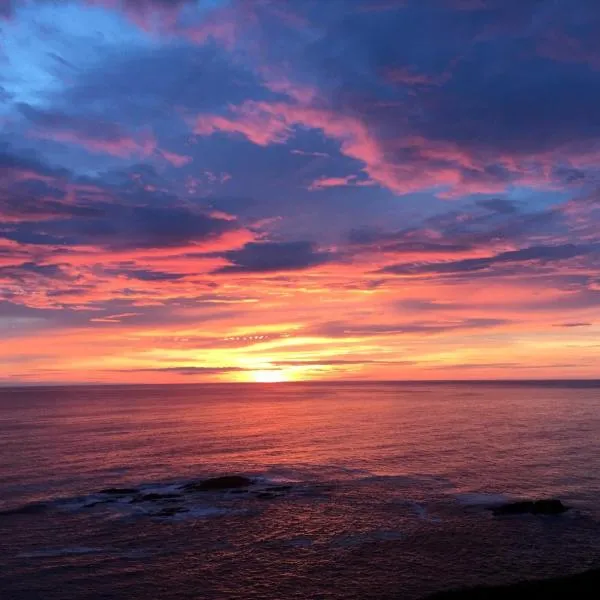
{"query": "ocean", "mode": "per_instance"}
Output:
(359, 490)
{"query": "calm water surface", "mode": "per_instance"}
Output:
(389, 488)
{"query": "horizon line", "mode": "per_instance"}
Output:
(588, 380)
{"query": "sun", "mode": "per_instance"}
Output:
(271, 376)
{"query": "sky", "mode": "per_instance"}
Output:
(282, 190)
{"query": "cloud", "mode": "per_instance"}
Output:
(405, 76)
(266, 123)
(404, 242)
(15, 167)
(343, 329)
(122, 227)
(534, 253)
(77, 242)
(24, 207)
(476, 131)
(144, 274)
(177, 160)
(401, 164)
(95, 136)
(271, 257)
(190, 371)
(126, 88)
(175, 184)
(338, 362)
(332, 182)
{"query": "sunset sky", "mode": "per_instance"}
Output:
(258, 190)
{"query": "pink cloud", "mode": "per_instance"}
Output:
(217, 177)
(251, 121)
(177, 160)
(402, 164)
(329, 182)
(278, 82)
(115, 143)
(223, 31)
(266, 123)
(405, 76)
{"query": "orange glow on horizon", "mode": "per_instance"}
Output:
(269, 376)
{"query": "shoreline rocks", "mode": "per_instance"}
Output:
(531, 507)
(217, 484)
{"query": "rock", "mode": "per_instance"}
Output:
(171, 511)
(539, 507)
(267, 495)
(549, 507)
(119, 491)
(219, 484)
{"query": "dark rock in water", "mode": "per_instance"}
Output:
(155, 497)
(583, 586)
(119, 491)
(539, 507)
(549, 507)
(219, 483)
(267, 495)
(171, 511)
(514, 508)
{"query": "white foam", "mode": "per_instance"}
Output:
(271, 480)
(422, 512)
(300, 473)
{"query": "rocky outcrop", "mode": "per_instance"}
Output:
(170, 499)
(532, 507)
(267, 495)
(227, 482)
(171, 511)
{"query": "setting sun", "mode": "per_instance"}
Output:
(265, 376)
